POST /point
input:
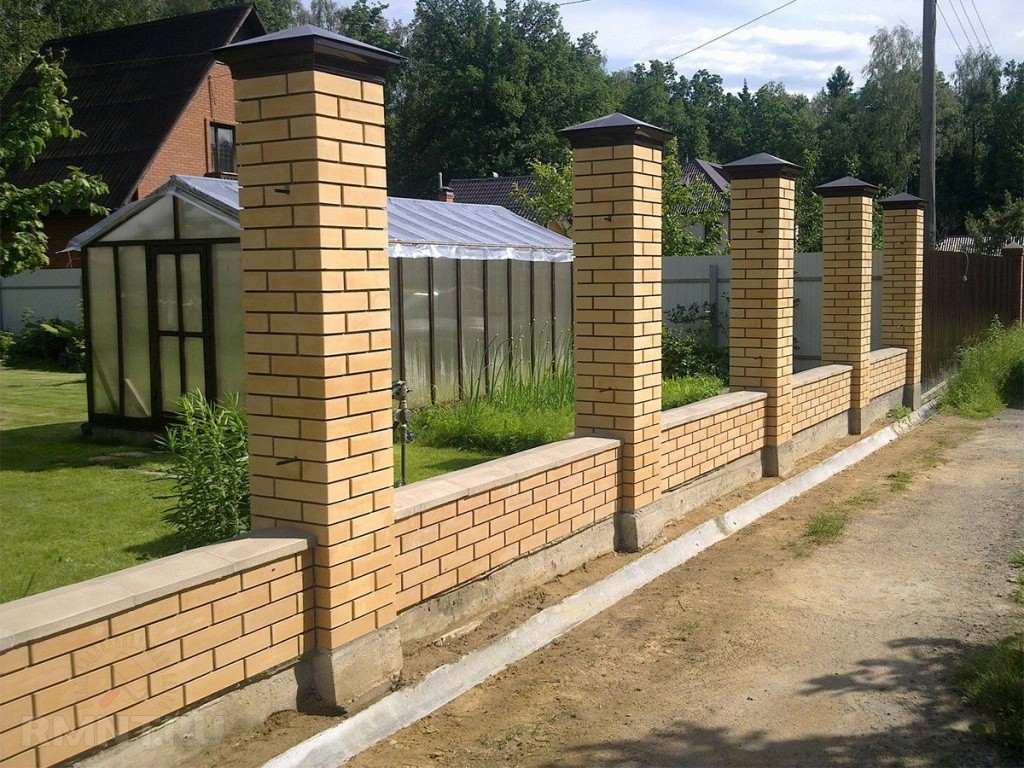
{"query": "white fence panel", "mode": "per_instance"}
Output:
(46, 292)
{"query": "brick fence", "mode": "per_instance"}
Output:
(344, 573)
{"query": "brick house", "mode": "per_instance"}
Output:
(152, 102)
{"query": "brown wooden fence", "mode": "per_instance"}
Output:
(962, 295)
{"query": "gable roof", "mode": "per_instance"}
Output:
(495, 190)
(712, 174)
(416, 228)
(129, 87)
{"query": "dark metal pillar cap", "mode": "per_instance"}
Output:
(846, 187)
(761, 166)
(901, 201)
(615, 129)
(306, 48)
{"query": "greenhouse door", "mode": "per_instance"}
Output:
(181, 324)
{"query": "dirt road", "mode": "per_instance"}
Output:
(765, 650)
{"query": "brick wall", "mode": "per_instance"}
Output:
(60, 228)
(187, 149)
(819, 394)
(79, 668)
(888, 370)
(454, 529)
(704, 436)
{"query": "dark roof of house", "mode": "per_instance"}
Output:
(495, 190)
(712, 174)
(129, 87)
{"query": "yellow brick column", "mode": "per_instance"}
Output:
(902, 285)
(846, 286)
(761, 232)
(311, 167)
(617, 295)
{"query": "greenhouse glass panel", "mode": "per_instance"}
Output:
(195, 365)
(229, 338)
(472, 310)
(166, 292)
(191, 293)
(196, 224)
(103, 331)
(154, 222)
(563, 306)
(135, 331)
(521, 320)
(416, 338)
(542, 325)
(170, 373)
(446, 308)
(497, 315)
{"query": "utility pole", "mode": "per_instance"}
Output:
(927, 185)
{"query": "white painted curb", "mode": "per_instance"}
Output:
(334, 746)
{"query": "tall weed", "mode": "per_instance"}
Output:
(991, 373)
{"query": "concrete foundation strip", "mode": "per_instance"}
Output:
(336, 745)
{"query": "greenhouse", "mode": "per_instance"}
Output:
(473, 287)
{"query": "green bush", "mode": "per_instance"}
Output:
(990, 375)
(690, 389)
(690, 348)
(992, 681)
(48, 342)
(6, 342)
(210, 471)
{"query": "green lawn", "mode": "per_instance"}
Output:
(72, 509)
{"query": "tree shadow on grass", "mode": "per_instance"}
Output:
(54, 446)
(934, 737)
(168, 544)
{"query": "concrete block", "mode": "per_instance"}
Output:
(856, 423)
(778, 460)
(912, 397)
(359, 672)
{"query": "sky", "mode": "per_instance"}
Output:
(800, 45)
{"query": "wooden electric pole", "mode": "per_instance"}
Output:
(927, 185)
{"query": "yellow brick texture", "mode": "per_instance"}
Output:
(902, 281)
(318, 345)
(846, 289)
(888, 374)
(761, 296)
(820, 400)
(68, 693)
(617, 295)
(444, 547)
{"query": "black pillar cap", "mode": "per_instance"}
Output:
(306, 48)
(615, 129)
(761, 166)
(846, 187)
(901, 201)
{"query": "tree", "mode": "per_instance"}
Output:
(362, 20)
(997, 226)
(486, 89)
(43, 113)
(839, 84)
(552, 202)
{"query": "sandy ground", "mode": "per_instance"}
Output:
(763, 651)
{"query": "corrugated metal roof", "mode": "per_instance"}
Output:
(129, 86)
(495, 190)
(410, 222)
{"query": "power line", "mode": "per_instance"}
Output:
(970, 24)
(981, 21)
(726, 34)
(955, 41)
(967, 35)
(572, 2)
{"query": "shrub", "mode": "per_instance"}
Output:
(6, 342)
(50, 342)
(690, 348)
(689, 389)
(991, 373)
(210, 470)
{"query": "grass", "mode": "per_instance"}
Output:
(825, 527)
(75, 509)
(899, 480)
(898, 413)
(689, 389)
(1017, 563)
(68, 513)
(992, 681)
(991, 374)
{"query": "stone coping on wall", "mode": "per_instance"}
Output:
(712, 406)
(58, 610)
(878, 355)
(822, 372)
(463, 483)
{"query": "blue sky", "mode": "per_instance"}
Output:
(799, 46)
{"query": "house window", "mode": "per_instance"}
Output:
(222, 141)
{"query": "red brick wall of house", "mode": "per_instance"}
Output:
(61, 227)
(187, 149)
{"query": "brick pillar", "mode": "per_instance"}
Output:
(846, 286)
(311, 167)
(761, 231)
(617, 295)
(902, 282)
